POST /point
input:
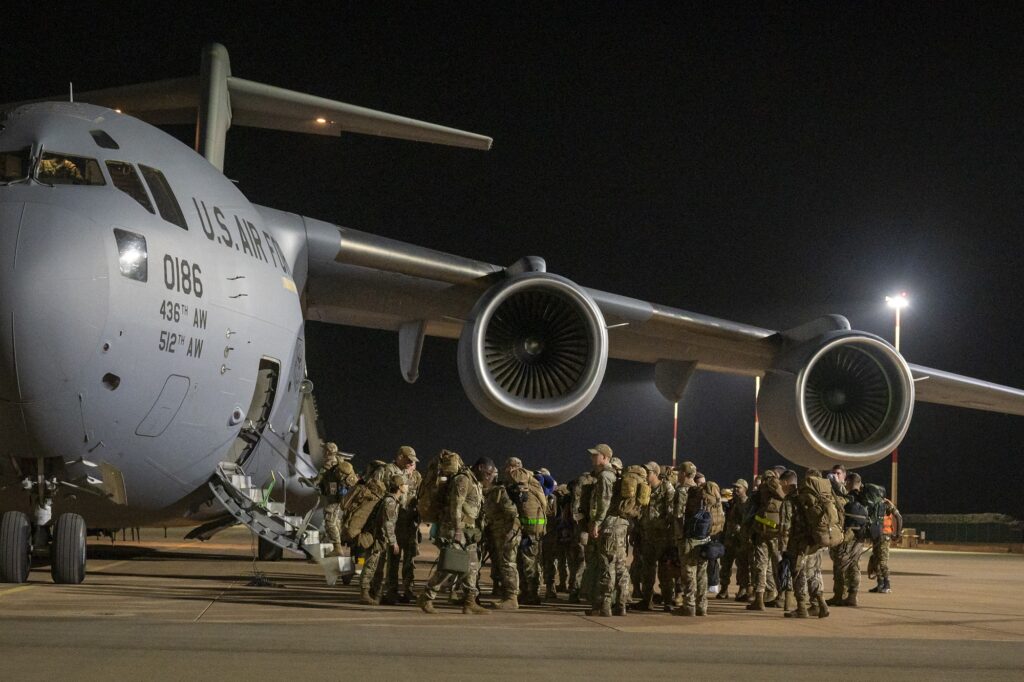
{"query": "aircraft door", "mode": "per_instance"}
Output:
(260, 408)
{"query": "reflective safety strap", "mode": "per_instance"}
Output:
(532, 522)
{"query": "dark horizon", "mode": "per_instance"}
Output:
(764, 166)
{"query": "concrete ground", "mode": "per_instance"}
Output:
(174, 609)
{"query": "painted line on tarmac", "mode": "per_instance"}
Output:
(214, 600)
(20, 588)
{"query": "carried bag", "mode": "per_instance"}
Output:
(528, 496)
(453, 559)
(358, 507)
(769, 508)
(821, 514)
(435, 480)
(632, 493)
(698, 525)
(712, 550)
(873, 498)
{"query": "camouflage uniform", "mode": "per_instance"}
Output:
(502, 527)
(384, 540)
(580, 574)
(656, 524)
(555, 552)
(333, 481)
(608, 552)
(806, 557)
(407, 529)
(682, 492)
(880, 549)
(460, 513)
(845, 556)
(694, 565)
(764, 543)
(735, 547)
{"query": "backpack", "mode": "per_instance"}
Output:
(433, 486)
(632, 493)
(581, 492)
(358, 507)
(526, 492)
(873, 499)
(704, 513)
(855, 517)
(820, 512)
(769, 508)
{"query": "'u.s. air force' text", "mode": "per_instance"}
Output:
(245, 239)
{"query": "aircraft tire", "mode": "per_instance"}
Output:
(268, 551)
(15, 547)
(67, 551)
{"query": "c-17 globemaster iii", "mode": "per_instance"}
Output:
(152, 351)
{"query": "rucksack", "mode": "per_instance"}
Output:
(704, 513)
(632, 493)
(855, 517)
(821, 513)
(769, 508)
(873, 498)
(357, 508)
(526, 492)
(434, 483)
(581, 497)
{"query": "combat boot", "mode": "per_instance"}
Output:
(619, 610)
(642, 605)
(886, 589)
(743, 594)
(822, 606)
(800, 612)
(471, 607)
(758, 603)
(604, 611)
(851, 600)
(389, 600)
(702, 610)
(550, 593)
(836, 600)
(509, 603)
(688, 611)
(574, 596)
(789, 601)
(878, 587)
(425, 603)
(724, 594)
(368, 599)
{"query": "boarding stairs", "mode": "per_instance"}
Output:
(251, 506)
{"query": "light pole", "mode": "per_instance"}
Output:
(675, 431)
(897, 303)
(757, 424)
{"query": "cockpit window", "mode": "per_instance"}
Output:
(14, 165)
(65, 169)
(163, 196)
(125, 178)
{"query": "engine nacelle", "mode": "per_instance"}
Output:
(533, 352)
(844, 397)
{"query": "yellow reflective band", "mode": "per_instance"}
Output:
(532, 522)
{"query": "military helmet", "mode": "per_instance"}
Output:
(616, 463)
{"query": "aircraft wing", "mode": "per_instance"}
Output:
(360, 279)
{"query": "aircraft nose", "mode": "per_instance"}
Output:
(53, 299)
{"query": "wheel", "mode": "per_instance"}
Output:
(268, 551)
(67, 551)
(15, 547)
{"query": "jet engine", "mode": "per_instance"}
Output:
(533, 352)
(845, 396)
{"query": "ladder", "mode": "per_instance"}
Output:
(268, 520)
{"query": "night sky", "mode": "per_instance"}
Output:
(766, 166)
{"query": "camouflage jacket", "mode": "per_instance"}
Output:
(386, 519)
(682, 494)
(656, 519)
(601, 495)
(412, 479)
(461, 510)
(786, 518)
(500, 515)
(733, 535)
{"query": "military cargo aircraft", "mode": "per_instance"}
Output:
(152, 362)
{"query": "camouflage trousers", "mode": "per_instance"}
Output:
(332, 523)
(555, 555)
(577, 555)
(695, 573)
(653, 563)
(380, 568)
(764, 565)
(467, 582)
(736, 554)
(846, 566)
(529, 561)
(609, 556)
(807, 583)
(407, 531)
(504, 551)
(880, 554)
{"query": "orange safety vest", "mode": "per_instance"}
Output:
(887, 525)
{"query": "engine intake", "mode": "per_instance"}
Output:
(533, 352)
(844, 397)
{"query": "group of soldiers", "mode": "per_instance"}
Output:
(684, 533)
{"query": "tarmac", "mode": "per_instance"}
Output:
(174, 609)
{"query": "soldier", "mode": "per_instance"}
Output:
(383, 556)
(735, 545)
(606, 547)
(765, 531)
(686, 473)
(580, 572)
(846, 571)
(556, 540)
(892, 527)
(788, 479)
(702, 518)
(458, 525)
(408, 527)
(803, 552)
(335, 478)
(656, 524)
(502, 528)
(533, 517)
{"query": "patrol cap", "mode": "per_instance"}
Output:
(740, 483)
(653, 468)
(601, 449)
(616, 463)
(513, 463)
(688, 469)
(407, 452)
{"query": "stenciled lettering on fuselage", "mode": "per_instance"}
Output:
(245, 237)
